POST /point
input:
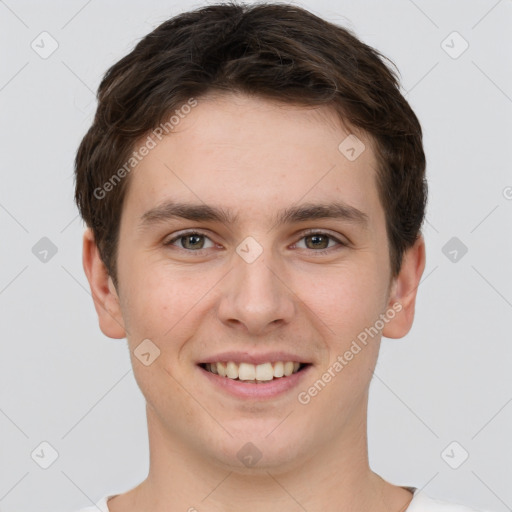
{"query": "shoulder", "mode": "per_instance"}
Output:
(423, 503)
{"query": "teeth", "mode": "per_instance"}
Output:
(264, 371)
(221, 369)
(253, 373)
(279, 369)
(231, 370)
(246, 371)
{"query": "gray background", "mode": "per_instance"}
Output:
(62, 381)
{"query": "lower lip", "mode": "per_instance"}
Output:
(270, 389)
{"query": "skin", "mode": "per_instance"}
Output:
(255, 157)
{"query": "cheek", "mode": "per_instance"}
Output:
(165, 304)
(347, 312)
(147, 286)
(159, 302)
(350, 298)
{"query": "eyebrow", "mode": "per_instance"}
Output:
(204, 213)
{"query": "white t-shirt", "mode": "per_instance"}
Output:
(420, 503)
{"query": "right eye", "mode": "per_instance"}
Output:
(191, 241)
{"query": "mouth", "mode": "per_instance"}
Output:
(254, 373)
(247, 375)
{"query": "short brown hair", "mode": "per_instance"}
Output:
(277, 51)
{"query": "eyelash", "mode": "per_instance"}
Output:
(304, 235)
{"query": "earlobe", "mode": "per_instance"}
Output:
(404, 290)
(104, 294)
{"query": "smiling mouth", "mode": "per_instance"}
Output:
(254, 373)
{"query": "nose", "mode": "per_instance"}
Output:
(255, 297)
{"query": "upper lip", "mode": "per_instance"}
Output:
(254, 358)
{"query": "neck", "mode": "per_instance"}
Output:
(335, 477)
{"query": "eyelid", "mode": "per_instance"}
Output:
(338, 237)
(341, 241)
(187, 232)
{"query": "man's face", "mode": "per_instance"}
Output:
(264, 287)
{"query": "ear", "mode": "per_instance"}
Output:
(403, 291)
(104, 294)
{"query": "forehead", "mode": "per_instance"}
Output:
(254, 156)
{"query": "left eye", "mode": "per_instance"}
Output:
(319, 241)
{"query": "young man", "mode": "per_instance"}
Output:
(254, 189)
